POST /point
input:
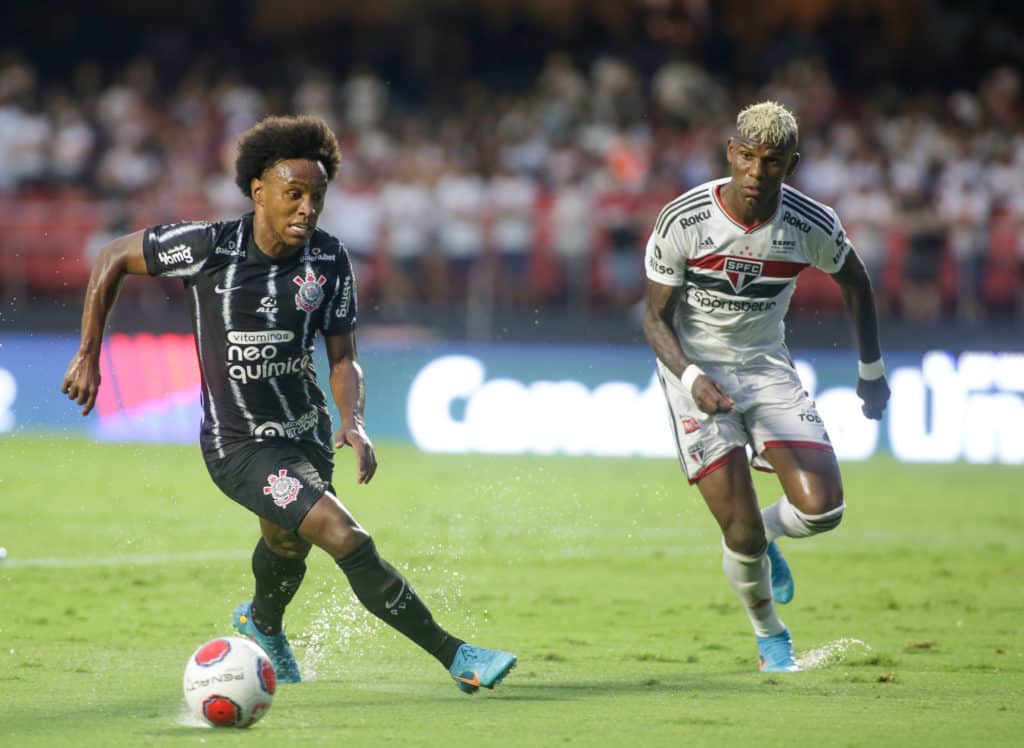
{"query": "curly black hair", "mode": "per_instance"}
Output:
(276, 139)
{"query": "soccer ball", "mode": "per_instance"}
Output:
(230, 682)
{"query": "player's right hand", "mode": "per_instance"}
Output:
(710, 397)
(82, 381)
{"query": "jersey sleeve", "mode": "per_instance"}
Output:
(178, 250)
(665, 258)
(828, 251)
(340, 315)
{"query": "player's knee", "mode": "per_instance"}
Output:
(287, 544)
(825, 499)
(747, 538)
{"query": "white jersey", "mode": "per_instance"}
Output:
(738, 279)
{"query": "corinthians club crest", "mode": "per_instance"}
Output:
(311, 291)
(283, 488)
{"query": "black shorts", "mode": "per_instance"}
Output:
(276, 479)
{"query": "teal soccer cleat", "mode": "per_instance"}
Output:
(775, 653)
(474, 667)
(276, 647)
(782, 577)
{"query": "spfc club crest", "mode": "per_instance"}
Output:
(696, 451)
(282, 487)
(311, 291)
(741, 273)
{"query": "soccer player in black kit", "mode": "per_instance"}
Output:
(260, 288)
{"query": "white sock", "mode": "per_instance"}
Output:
(782, 519)
(751, 577)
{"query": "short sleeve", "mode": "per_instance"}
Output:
(340, 316)
(178, 250)
(665, 259)
(829, 251)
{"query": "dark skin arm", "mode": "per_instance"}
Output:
(121, 257)
(860, 303)
(659, 302)
(349, 391)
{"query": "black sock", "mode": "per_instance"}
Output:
(277, 580)
(386, 594)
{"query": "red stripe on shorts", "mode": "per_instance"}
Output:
(720, 462)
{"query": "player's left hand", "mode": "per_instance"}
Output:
(875, 394)
(366, 458)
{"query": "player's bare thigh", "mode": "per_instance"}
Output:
(729, 493)
(809, 477)
(329, 525)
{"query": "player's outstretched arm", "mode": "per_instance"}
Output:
(659, 302)
(872, 387)
(349, 391)
(121, 257)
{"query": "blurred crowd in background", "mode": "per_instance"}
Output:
(503, 194)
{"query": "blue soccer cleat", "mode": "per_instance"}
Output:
(782, 577)
(276, 647)
(775, 653)
(474, 667)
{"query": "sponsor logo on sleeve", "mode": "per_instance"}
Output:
(696, 218)
(655, 264)
(346, 299)
(176, 255)
(842, 247)
(793, 220)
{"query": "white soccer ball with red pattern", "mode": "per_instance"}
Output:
(230, 682)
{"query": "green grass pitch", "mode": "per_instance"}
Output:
(603, 575)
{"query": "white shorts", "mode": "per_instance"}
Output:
(772, 410)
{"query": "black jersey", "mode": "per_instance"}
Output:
(255, 318)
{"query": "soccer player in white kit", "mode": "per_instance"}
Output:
(721, 263)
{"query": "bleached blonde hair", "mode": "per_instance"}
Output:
(769, 123)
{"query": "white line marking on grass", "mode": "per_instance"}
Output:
(831, 653)
(141, 559)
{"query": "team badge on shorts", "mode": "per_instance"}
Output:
(311, 291)
(696, 451)
(282, 487)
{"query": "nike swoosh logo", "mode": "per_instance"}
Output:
(393, 603)
(218, 289)
(474, 681)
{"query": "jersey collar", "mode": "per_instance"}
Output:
(747, 228)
